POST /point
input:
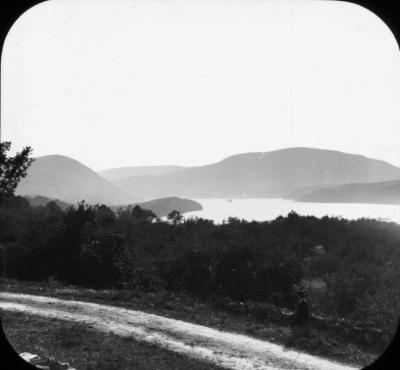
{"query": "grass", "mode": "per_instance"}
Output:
(86, 349)
(311, 339)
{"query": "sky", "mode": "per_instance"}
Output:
(116, 83)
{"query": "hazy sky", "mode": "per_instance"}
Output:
(117, 83)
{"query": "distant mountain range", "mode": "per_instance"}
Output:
(115, 174)
(295, 173)
(258, 175)
(386, 192)
(63, 178)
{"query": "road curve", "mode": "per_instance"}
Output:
(228, 350)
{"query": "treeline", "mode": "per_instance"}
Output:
(93, 246)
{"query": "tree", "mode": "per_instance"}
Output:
(140, 215)
(175, 217)
(13, 169)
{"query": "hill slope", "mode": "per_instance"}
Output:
(270, 174)
(387, 192)
(68, 180)
(114, 174)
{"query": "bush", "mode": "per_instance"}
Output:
(237, 261)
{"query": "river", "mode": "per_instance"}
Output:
(268, 209)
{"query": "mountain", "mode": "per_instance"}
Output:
(63, 178)
(266, 174)
(114, 174)
(299, 192)
(162, 207)
(387, 192)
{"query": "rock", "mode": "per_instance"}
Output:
(45, 363)
(28, 357)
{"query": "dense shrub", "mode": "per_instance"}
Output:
(92, 246)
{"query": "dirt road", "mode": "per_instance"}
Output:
(228, 350)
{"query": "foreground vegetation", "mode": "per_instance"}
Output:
(238, 263)
(91, 246)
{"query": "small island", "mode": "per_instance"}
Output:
(163, 206)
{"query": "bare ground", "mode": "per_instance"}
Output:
(225, 349)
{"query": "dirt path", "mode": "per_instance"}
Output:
(229, 350)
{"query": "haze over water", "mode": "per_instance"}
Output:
(268, 209)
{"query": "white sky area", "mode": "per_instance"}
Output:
(119, 83)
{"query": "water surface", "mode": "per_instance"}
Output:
(268, 209)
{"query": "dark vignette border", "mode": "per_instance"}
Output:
(387, 10)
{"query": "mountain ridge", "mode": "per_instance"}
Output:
(284, 173)
(64, 178)
(262, 174)
(118, 173)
